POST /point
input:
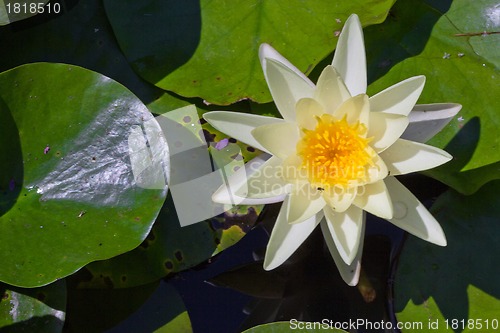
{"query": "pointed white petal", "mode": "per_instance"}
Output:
(267, 181)
(349, 59)
(356, 109)
(411, 215)
(286, 238)
(407, 156)
(226, 193)
(345, 229)
(331, 90)
(307, 111)
(349, 273)
(426, 120)
(280, 139)
(304, 203)
(385, 129)
(375, 199)
(266, 52)
(239, 125)
(399, 98)
(286, 83)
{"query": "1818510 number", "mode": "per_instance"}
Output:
(472, 324)
(32, 8)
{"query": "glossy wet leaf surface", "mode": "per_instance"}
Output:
(209, 49)
(458, 281)
(68, 194)
(460, 62)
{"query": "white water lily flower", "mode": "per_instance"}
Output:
(335, 154)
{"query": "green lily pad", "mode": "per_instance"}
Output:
(69, 196)
(33, 310)
(459, 56)
(457, 283)
(12, 11)
(296, 326)
(209, 49)
(180, 324)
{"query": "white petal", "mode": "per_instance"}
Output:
(411, 215)
(239, 125)
(307, 111)
(331, 90)
(385, 129)
(349, 59)
(280, 139)
(226, 193)
(266, 52)
(349, 273)
(399, 98)
(375, 199)
(378, 172)
(407, 156)
(338, 198)
(356, 109)
(267, 181)
(286, 83)
(345, 229)
(304, 203)
(426, 120)
(286, 238)
(294, 173)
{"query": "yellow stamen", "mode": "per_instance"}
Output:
(335, 152)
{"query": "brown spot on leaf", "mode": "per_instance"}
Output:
(169, 265)
(178, 255)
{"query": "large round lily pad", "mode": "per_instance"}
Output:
(68, 195)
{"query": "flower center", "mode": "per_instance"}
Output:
(335, 153)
